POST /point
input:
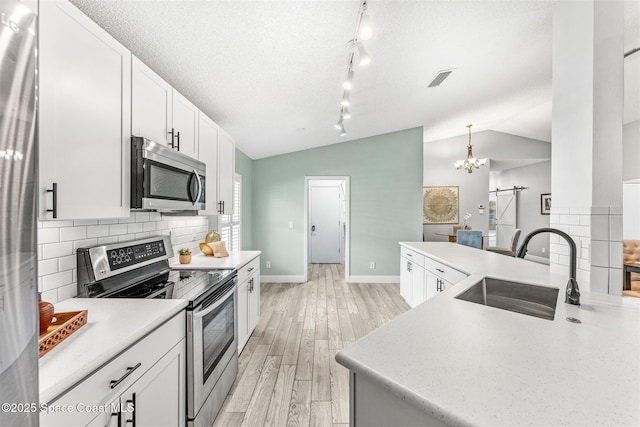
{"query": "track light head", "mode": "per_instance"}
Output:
(366, 30)
(342, 131)
(339, 124)
(345, 100)
(346, 114)
(363, 56)
(348, 83)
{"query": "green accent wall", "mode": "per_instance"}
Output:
(386, 201)
(244, 167)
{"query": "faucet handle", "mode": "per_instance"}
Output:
(573, 292)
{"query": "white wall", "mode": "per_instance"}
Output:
(59, 240)
(438, 170)
(631, 206)
(538, 178)
(631, 151)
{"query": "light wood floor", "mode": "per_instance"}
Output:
(288, 374)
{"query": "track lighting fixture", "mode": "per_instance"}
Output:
(363, 56)
(345, 100)
(363, 32)
(349, 82)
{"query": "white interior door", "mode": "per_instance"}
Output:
(324, 208)
(506, 214)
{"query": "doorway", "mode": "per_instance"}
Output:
(327, 221)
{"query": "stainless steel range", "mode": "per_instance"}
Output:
(140, 269)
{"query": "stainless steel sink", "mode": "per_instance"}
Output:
(532, 300)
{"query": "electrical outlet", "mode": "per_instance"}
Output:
(268, 264)
(544, 250)
(372, 264)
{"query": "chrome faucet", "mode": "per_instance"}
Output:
(572, 295)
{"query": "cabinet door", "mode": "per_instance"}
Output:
(226, 170)
(406, 279)
(158, 397)
(208, 132)
(84, 116)
(243, 314)
(418, 285)
(430, 284)
(185, 125)
(150, 104)
(254, 301)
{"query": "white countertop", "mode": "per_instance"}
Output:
(113, 325)
(469, 364)
(235, 260)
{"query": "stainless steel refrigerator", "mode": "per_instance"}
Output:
(18, 259)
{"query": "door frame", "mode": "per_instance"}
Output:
(347, 232)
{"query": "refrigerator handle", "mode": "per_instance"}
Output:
(54, 190)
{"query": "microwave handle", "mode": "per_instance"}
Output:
(199, 187)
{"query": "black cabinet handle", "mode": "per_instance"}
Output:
(439, 270)
(221, 207)
(172, 133)
(119, 415)
(178, 137)
(130, 369)
(133, 415)
(249, 270)
(54, 190)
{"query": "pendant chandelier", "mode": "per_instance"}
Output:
(470, 163)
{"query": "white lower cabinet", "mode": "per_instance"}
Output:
(143, 386)
(248, 300)
(422, 277)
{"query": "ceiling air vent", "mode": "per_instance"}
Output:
(440, 77)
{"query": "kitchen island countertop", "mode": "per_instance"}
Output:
(113, 325)
(468, 364)
(235, 260)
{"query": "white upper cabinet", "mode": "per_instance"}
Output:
(226, 171)
(160, 113)
(151, 104)
(84, 117)
(208, 132)
(185, 125)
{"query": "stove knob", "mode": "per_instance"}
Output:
(114, 254)
(127, 258)
(118, 260)
(121, 252)
(129, 251)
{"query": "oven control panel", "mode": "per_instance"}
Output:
(135, 254)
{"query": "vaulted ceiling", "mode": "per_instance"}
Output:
(270, 72)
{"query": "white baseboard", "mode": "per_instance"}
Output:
(281, 279)
(537, 259)
(373, 279)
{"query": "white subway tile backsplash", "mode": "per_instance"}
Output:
(66, 292)
(108, 221)
(563, 259)
(47, 266)
(77, 222)
(569, 219)
(59, 240)
(56, 224)
(107, 240)
(55, 250)
(149, 226)
(73, 233)
(67, 262)
(57, 280)
(50, 296)
(135, 227)
(116, 230)
(142, 216)
(48, 235)
(580, 230)
(98, 231)
(559, 248)
(85, 243)
(585, 220)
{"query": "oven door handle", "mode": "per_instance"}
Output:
(217, 304)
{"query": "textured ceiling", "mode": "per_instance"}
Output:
(270, 72)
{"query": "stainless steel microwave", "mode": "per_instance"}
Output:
(164, 179)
